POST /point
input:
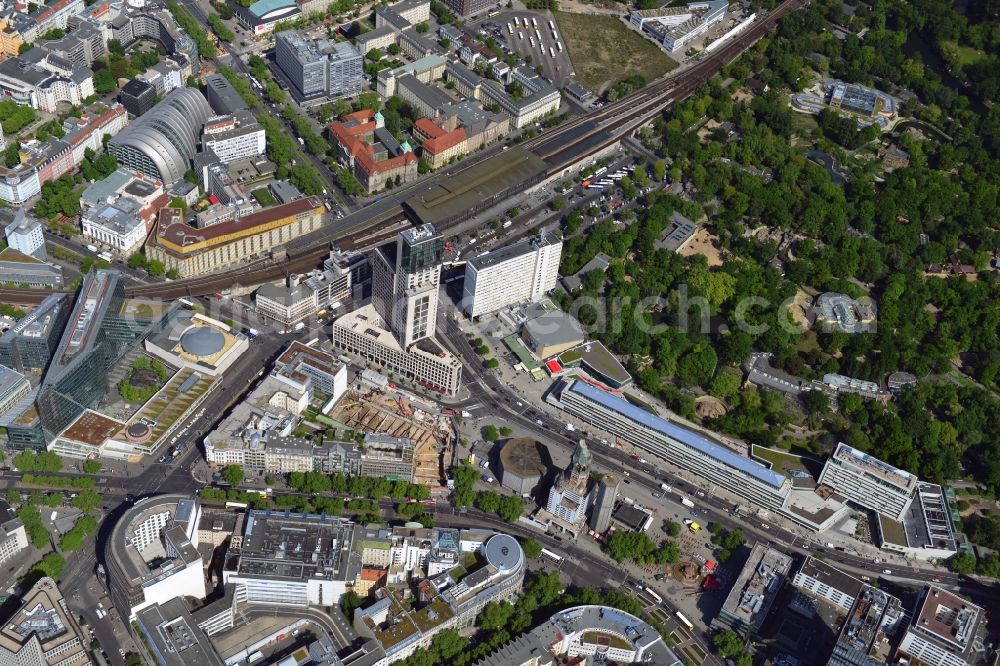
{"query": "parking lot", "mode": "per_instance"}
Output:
(542, 46)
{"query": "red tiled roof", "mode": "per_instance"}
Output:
(447, 140)
(351, 137)
(428, 129)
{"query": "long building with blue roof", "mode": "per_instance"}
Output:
(678, 445)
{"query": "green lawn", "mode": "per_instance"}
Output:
(604, 50)
(782, 462)
(264, 197)
(961, 55)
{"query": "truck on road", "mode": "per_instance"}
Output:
(686, 502)
(665, 488)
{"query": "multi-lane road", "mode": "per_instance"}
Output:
(487, 388)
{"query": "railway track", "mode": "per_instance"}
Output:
(367, 229)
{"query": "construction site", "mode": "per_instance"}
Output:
(392, 414)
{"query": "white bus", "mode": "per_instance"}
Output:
(552, 26)
(105, 256)
(510, 29)
(595, 186)
(495, 12)
(552, 52)
(552, 556)
(255, 657)
(538, 35)
(555, 35)
(683, 620)
(559, 46)
(534, 22)
(531, 40)
(517, 21)
(650, 592)
(520, 35)
(599, 171)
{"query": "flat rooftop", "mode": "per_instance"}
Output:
(520, 248)
(175, 637)
(755, 589)
(948, 618)
(467, 189)
(92, 428)
(42, 613)
(831, 576)
(871, 465)
(293, 546)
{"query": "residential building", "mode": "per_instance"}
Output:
(469, 7)
(302, 365)
(570, 494)
(13, 537)
(151, 555)
(196, 251)
(869, 482)
(749, 600)
(30, 342)
(677, 27)
(147, 21)
(43, 632)
(13, 388)
(55, 157)
(676, 444)
(424, 70)
(19, 269)
(222, 96)
(292, 558)
(945, 631)
(826, 582)
(83, 44)
(405, 278)
(234, 137)
(166, 75)
(42, 80)
(372, 153)
(865, 636)
(137, 97)
(25, 235)
(518, 273)
(162, 142)
(584, 632)
(320, 69)
(363, 333)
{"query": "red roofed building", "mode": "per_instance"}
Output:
(372, 153)
(463, 129)
(439, 144)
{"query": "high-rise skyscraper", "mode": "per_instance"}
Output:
(405, 280)
(604, 503)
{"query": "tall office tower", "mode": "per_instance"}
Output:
(405, 279)
(96, 336)
(604, 503)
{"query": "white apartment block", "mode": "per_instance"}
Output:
(25, 235)
(869, 482)
(13, 539)
(826, 582)
(234, 137)
(518, 273)
(149, 530)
